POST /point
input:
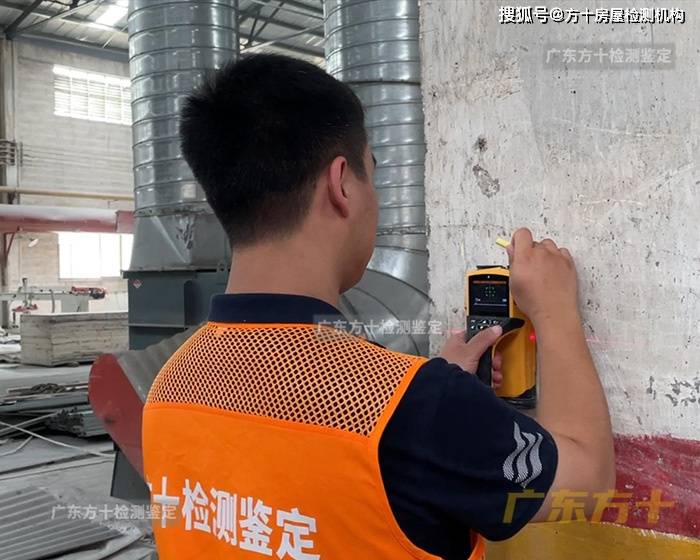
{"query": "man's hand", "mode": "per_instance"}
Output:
(571, 401)
(466, 354)
(542, 278)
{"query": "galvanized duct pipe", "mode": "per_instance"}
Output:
(172, 44)
(373, 46)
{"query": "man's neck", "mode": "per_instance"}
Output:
(284, 268)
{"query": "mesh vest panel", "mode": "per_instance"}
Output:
(302, 373)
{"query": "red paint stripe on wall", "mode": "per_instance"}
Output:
(670, 465)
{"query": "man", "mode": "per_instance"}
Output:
(271, 435)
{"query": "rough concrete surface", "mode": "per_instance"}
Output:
(603, 160)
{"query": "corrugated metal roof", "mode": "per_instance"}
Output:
(293, 27)
(34, 525)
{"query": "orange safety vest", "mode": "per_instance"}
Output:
(261, 440)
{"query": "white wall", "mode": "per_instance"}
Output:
(603, 161)
(64, 154)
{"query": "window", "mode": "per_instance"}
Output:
(91, 96)
(93, 255)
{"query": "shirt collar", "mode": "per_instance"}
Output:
(272, 308)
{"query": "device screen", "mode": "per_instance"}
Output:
(488, 295)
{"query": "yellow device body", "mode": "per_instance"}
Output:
(488, 301)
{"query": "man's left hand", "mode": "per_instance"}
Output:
(466, 354)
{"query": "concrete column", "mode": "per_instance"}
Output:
(604, 159)
(9, 176)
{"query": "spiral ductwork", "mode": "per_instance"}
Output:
(373, 46)
(172, 45)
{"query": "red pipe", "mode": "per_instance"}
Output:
(23, 217)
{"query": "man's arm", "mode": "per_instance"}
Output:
(571, 401)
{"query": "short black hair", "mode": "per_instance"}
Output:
(257, 134)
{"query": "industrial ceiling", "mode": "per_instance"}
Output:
(293, 27)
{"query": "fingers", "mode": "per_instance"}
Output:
(521, 243)
(496, 373)
(479, 343)
(549, 245)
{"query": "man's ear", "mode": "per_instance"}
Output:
(338, 172)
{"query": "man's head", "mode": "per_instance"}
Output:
(280, 149)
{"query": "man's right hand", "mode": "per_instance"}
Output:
(542, 278)
(543, 284)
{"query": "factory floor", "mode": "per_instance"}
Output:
(76, 471)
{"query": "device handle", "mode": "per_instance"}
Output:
(483, 371)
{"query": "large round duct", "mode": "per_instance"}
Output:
(373, 46)
(172, 45)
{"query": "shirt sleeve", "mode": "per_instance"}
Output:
(453, 452)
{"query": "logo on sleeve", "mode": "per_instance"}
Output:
(523, 465)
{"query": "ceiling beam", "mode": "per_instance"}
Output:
(281, 40)
(255, 32)
(284, 46)
(56, 16)
(286, 25)
(75, 46)
(75, 20)
(123, 53)
(304, 6)
(11, 30)
(294, 7)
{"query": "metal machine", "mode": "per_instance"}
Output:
(74, 300)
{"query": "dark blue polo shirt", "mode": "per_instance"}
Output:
(451, 453)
